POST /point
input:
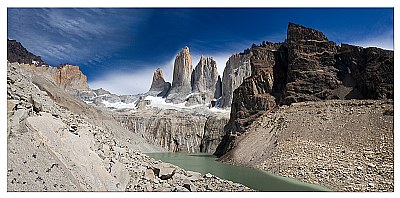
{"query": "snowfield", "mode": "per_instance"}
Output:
(120, 105)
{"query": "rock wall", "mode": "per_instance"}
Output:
(311, 74)
(176, 131)
(255, 95)
(236, 70)
(371, 68)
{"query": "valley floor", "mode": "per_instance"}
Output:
(342, 145)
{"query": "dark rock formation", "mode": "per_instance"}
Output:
(256, 94)
(307, 67)
(372, 70)
(158, 86)
(218, 88)
(312, 75)
(18, 53)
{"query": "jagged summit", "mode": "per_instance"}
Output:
(297, 32)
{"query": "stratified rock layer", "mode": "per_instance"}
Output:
(311, 74)
(371, 68)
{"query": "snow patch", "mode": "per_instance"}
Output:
(160, 103)
(119, 105)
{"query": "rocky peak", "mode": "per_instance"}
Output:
(181, 82)
(101, 91)
(297, 32)
(18, 53)
(182, 69)
(69, 77)
(205, 75)
(158, 86)
(158, 80)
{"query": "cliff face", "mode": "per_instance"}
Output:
(205, 76)
(176, 131)
(311, 72)
(307, 67)
(371, 68)
(236, 70)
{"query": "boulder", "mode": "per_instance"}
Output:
(164, 171)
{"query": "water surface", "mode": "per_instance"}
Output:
(250, 177)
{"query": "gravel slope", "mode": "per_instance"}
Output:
(342, 145)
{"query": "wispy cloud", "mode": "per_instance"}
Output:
(72, 35)
(384, 41)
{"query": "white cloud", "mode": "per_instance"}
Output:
(384, 41)
(128, 83)
(124, 83)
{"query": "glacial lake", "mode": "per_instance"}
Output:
(250, 177)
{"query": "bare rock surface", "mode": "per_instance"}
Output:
(158, 86)
(175, 130)
(236, 70)
(306, 67)
(205, 77)
(181, 82)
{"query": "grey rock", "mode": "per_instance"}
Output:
(181, 82)
(205, 76)
(164, 171)
(236, 70)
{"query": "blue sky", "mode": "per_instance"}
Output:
(119, 49)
